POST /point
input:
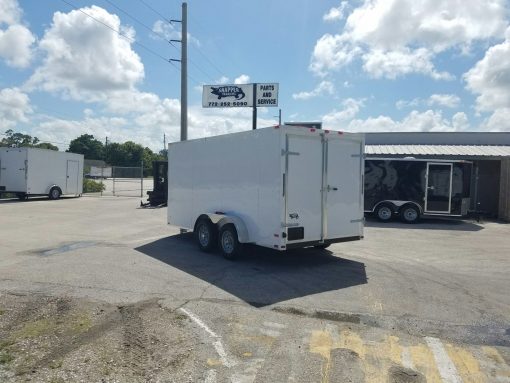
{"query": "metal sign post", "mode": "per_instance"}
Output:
(254, 115)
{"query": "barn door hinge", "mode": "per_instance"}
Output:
(289, 153)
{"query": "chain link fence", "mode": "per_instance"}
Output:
(120, 181)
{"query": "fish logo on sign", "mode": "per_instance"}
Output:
(228, 91)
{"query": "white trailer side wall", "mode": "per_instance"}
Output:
(47, 168)
(239, 174)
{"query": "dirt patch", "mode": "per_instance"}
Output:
(46, 339)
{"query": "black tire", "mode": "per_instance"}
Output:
(21, 196)
(323, 246)
(205, 235)
(54, 193)
(228, 241)
(384, 212)
(409, 214)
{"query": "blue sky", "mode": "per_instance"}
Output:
(367, 65)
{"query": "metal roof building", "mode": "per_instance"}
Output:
(489, 152)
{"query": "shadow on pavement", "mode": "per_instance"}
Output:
(426, 223)
(34, 199)
(260, 276)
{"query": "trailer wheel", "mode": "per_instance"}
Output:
(409, 214)
(22, 196)
(205, 234)
(54, 193)
(384, 212)
(229, 242)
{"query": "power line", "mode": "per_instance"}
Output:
(197, 48)
(155, 11)
(119, 33)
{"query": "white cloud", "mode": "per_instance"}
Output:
(324, 87)
(393, 64)
(332, 52)
(428, 121)
(447, 100)
(336, 13)
(84, 60)
(490, 77)
(336, 119)
(16, 40)
(404, 36)
(14, 107)
(10, 12)
(499, 121)
(242, 79)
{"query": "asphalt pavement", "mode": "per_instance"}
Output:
(409, 303)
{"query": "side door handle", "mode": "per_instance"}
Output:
(330, 188)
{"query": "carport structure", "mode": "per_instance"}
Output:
(489, 152)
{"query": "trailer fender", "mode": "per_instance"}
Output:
(221, 220)
(53, 186)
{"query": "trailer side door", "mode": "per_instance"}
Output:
(14, 170)
(72, 175)
(343, 190)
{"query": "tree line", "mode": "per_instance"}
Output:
(128, 153)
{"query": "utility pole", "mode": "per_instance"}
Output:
(164, 141)
(184, 69)
(279, 117)
(254, 117)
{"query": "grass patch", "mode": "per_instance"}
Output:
(6, 357)
(35, 329)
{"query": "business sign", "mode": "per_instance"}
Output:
(239, 95)
(227, 96)
(267, 94)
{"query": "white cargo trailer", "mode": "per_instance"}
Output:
(35, 172)
(282, 187)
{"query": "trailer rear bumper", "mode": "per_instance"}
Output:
(326, 242)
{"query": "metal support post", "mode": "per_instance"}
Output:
(141, 181)
(254, 122)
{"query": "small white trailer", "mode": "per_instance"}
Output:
(36, 172)
(281, 187)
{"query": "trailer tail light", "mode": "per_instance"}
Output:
(340, 132)
(312, 129)
(326, 131)
(277, 126)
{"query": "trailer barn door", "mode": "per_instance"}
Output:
(13, 170)
(343, 191)
(438, 195)
(303, 188)
(72, 177)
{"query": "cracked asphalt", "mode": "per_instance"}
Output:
(96, 289)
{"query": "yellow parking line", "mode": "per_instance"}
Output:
(423, 361)
(321, 343)
(501, 367)
(466, 364)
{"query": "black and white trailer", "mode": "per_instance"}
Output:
(409, 188)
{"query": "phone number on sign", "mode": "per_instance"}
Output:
(227, 103)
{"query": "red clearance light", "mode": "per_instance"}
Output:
(277, 126)
(312, 129)
(326, 131)
(340, 132)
